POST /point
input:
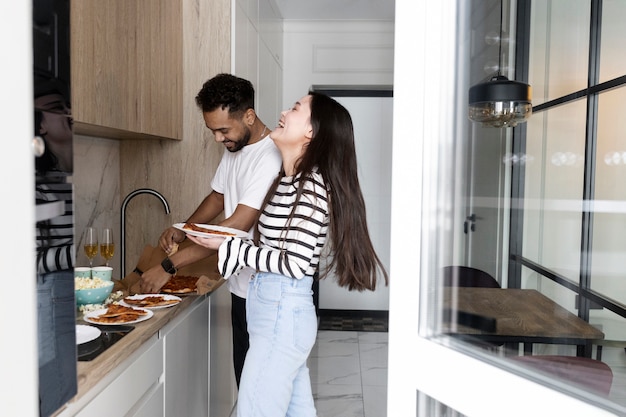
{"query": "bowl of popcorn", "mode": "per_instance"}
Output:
(91, 290)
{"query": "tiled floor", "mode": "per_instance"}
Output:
(349, 374)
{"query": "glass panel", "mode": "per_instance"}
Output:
(559, 45)
(612, 62)
(609, 233)
(555, 149)
(504, 327)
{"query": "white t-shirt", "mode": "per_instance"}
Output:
(244, 177)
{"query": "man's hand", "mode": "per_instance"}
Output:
(169, 238)
(153, 280)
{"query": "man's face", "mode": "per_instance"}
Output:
(232, 132)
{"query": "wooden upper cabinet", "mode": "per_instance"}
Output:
(127, 68)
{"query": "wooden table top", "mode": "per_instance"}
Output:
(524, 316)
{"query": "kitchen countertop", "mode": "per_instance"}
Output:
(89, 373)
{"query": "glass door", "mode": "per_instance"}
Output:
(432, 372)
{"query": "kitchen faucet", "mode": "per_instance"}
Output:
(129, 197)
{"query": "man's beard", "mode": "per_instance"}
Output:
(241, 142)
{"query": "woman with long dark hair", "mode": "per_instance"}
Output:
(315, 204)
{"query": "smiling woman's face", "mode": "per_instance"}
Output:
(294, 127)
(56, 128)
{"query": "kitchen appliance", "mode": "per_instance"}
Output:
(56, 305)
(109, 336)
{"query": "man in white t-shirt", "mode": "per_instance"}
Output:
(241, 182)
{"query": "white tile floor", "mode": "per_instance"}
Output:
(349, 374)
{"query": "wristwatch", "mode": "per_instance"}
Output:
(168, 266)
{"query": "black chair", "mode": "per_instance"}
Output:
(586, 372)
(465, 276)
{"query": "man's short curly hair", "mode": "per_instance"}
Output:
(226, 91)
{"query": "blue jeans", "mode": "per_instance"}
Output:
(283, 326)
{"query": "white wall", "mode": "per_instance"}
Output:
(372, 118)
(348, 53)
(335, 53)
(257, 40)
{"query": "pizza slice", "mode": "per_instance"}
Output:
(180, 284)
(115, 310)
(117, 313)
(194, 227)
(150, 301)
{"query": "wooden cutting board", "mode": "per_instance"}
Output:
(152, 256)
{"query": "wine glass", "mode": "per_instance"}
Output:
(90, 244)
(107, 246)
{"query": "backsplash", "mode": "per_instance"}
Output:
(97, 198)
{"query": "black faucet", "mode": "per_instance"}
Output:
(129, 197)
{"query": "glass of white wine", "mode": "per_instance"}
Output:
(90, 243)
(107, 246)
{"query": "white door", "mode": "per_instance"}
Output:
(484, 225)
(371, 117)
(487, 171)
(428, 106)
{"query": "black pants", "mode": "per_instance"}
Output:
(241, 341)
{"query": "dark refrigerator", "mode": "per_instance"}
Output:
(53, 140)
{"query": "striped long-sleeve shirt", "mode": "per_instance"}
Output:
(291, 249)
(55, 237)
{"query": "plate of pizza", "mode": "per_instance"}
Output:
(181, 285)
(117, 314)
(151, 301)
(210, 230)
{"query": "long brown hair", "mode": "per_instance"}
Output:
(331, 151)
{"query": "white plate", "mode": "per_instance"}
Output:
(236, 232)
(142, 296)
(86, 334)
(88, 317)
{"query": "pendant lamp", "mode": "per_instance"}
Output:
(500, 102)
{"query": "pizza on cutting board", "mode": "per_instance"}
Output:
(180, 284)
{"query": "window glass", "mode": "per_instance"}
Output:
(613, 38)
(535, 313)
(609, 222)
(559, 45)
(555, 149)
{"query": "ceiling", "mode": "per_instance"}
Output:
(337, 9)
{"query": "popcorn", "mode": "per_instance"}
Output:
(112, 299)
(89, 283)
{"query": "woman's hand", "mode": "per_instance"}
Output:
(208, 242)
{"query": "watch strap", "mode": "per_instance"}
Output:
(168, 266)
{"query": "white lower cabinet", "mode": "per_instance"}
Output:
(171, 374)
(153, 405)
(134, 389)
(186, 362)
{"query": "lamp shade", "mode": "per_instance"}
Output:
(500, 102)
